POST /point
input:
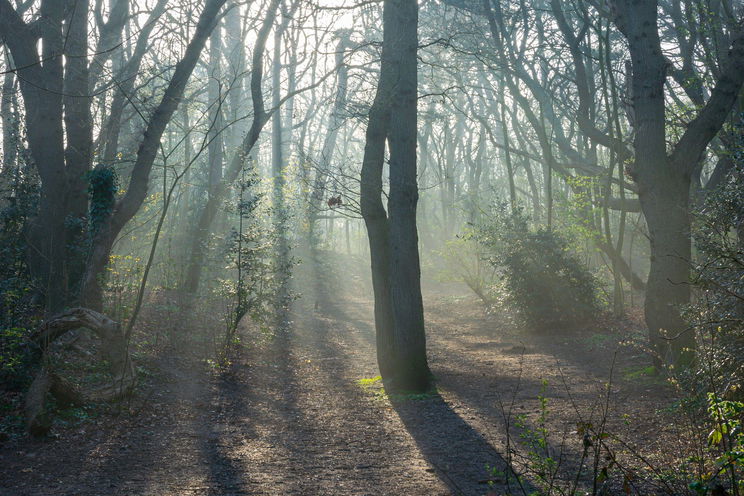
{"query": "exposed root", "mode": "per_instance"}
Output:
(114, 349)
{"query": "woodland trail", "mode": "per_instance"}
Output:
(291, 418)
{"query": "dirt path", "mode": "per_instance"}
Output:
(291, 418)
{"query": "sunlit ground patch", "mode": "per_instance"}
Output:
(645, 374)
(375, 387)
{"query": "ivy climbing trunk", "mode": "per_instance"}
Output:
(137, 190)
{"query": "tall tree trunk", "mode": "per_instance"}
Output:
(666, 209)
(239, 159)
(278, 166)
(9, 120)
(215, 96)
(375, 219)
(408, 310)
(506, 151)
(335, 121)
(215, 148)
(373, 210)
(42, 88)
(79, 136)
(667, 219)
(399, 317)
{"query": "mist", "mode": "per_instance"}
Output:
(371, 247)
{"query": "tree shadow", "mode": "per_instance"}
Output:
(597, 352)
(225, 474)
(445, 439)
(459, 455)
(246, 411)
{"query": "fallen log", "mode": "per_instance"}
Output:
(37, 417)
(114, 349)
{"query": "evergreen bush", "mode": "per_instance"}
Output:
(546, 283)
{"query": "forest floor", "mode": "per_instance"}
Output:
(295, 415)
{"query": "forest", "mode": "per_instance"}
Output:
(372, 247)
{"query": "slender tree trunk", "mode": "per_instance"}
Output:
(136, 193)
(335, 120)
(278, 167)
(239, 159)
(507, 152)
(215, 94)
(375, 216)
(10, 124)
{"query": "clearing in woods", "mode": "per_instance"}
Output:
(295, 414)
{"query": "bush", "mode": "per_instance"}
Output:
(544, 281)
(19, 297)
(717, 313)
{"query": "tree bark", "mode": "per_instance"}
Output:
(399, 317)
(375, 219)
(408, 310)
(115, 350)
(41, 82)
(78, 120)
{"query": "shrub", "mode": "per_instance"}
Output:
(544, 281)
(717, 312)
(19, 296)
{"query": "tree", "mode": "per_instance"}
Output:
(56, 87)
(393, 238)
(664, 178)
(208, 212)
(132, 200)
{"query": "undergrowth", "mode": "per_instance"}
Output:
(543, 280)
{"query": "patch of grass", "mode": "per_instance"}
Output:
(374, 386)
(366, 382)
(641, 373)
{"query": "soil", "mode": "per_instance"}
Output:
(290, 415)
